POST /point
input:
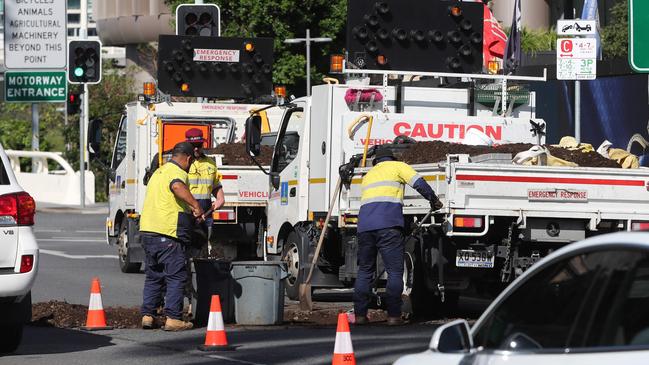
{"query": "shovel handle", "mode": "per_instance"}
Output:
(322, 233)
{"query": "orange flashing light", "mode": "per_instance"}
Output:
(184, 87)
(249, 47)
(493, 67)
(280, 91)
(336, 63)
(381, 60)
(149, 89)
(456, 11)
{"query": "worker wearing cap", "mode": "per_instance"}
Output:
(204, 177)
(380, 230)
(167, 218)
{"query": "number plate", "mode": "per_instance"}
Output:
(476, 259)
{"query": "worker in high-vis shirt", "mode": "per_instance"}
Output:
(380, 230)
(204, 177)
(167, 218)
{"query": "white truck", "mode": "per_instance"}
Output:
(498, 219)
(149, 127)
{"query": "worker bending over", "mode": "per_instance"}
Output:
(380, 230)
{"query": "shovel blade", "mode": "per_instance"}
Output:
(306, 303)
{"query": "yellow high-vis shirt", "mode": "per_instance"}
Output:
(204, 177)
(163, 213)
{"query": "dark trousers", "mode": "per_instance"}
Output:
(164, 268)
(390, 244)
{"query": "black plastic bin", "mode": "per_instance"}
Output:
(212, 277)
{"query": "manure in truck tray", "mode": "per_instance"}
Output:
(436, 151)
(234, 154)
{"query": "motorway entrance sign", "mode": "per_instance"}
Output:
(639, 35)
(35, 86)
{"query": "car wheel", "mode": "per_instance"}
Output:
(125, 263)
(292, 253)
(10, 337)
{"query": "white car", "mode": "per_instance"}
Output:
(18, 257)
(587, 303)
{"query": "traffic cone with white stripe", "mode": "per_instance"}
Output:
(96, 319)
(215, 339)
(343, 349)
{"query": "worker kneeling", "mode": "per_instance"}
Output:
(168, 215)
(380, 230)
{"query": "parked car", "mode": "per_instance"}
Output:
(18, 257)
(587, 303)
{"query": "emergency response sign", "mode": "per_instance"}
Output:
(454, 129)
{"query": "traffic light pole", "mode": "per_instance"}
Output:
(83, 122)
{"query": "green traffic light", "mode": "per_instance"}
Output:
(78, 71)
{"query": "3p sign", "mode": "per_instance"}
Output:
(576, 59)
(639, 35)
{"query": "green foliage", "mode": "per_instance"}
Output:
(107, 101)
(534, 41)
(615, 36)
(282, 19)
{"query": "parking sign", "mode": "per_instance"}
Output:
(576, 59)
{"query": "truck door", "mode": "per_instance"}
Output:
(117, 174)
(283, 202)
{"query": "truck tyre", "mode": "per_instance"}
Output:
(10, 337)
(294, 256)
(125, 264)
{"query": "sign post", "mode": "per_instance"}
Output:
(639, 35)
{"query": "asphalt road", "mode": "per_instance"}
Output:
(73, 251)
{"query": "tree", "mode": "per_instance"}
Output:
(615, 36)
(282, 19)
(107, 101)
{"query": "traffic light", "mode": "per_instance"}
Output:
(198, 20)
(73, 103)
(215, 67)
(84, 62)
(415, 35)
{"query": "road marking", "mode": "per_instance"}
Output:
(48, 230)
(76, 257)
(89, 231)
(68, 239)
(234, 360)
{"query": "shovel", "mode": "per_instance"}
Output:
(305, 289)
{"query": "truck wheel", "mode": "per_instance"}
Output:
(292, 253)
(10, 337)
(125, 263)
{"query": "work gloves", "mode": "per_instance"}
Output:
(436, 204)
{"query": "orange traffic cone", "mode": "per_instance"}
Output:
(343, 349)
(215, 339)
(96, 319)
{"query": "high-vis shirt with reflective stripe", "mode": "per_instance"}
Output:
(204, 177)
(382, 195)
(163, 213)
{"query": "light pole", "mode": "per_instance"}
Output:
(308, 41)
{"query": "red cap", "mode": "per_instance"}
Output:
(194, 135)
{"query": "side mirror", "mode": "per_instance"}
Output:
(253, 135)
(275, 180)
(94, 138)
(452, 337)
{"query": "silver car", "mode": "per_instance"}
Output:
(587, 303)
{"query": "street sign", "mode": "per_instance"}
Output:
(639, 35)
(576, 27)
(576, 59)
(35, 34)
(35, 86)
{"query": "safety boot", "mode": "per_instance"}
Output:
(361, 320)
(147, 322)
(177, 325)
